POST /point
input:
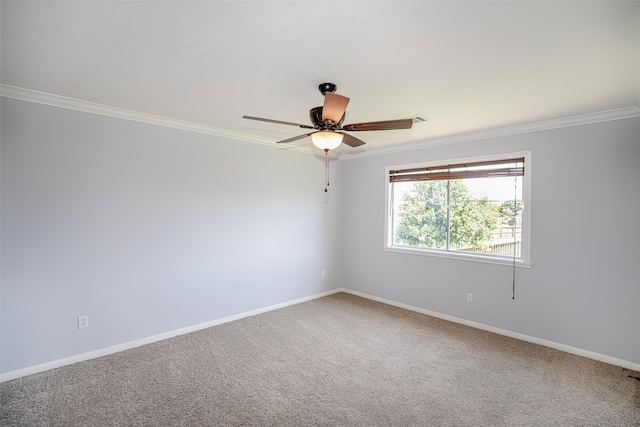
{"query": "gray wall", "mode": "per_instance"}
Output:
(583, 289)
(147, 229)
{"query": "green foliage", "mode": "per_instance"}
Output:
(510, 209)
(424, 217)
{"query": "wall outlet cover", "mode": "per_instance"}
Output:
(83, 322)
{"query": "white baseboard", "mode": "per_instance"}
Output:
(8, 376)
(562, 347)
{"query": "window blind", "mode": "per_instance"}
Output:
(487, 169)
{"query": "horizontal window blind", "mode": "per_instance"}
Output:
(488, 169)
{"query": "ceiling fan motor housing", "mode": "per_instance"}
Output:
(315, 114)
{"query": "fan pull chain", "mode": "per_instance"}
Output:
(326, 157)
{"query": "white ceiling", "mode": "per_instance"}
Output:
(467, 66)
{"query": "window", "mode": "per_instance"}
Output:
(475, 208)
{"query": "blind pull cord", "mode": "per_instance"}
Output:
(515, 240)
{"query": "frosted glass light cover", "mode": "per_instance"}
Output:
(326, 140)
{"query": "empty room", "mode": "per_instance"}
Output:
(294, 213)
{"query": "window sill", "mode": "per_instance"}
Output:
(460, 256)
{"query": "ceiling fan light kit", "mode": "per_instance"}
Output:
(326, 140)
(327, 121)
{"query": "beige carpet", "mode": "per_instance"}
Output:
(335, 361)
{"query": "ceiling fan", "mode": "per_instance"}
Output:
(327, 122)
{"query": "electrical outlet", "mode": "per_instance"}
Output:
(470, 297)
(323, 274)
(83, 322)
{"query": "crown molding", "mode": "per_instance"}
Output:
(121, 113)
(584, 119)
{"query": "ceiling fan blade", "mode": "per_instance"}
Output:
(295, 138)
(334, 107)
(277, 121)
(383, 125)
(351, 141)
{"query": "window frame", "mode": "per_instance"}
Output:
(523, 261)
